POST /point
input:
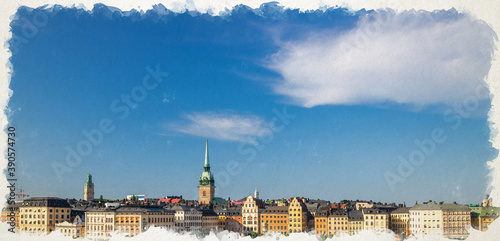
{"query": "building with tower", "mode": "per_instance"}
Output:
(88, 191)
(207, 183)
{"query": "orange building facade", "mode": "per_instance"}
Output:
(275, 220)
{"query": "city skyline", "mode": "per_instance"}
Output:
(232, 80)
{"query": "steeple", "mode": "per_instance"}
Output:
(206, 178)
(88, 189)
(207, 162)
(89, 180)
(256, 194)
(207, 182)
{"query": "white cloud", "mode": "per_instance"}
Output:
(417, 58)
(224, 126)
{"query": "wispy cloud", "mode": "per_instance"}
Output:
(416, 58)
(227, 126)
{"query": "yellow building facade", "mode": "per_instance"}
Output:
(99, 223)
(297, 216)
(375, 219)
(10, 215)
(482, 217)
(456, 220)
(356, 221)
(127, 221)
(400, 219)
(338, 222)
(39, 215)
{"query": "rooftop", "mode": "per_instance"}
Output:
(440, 206)
(402, 210)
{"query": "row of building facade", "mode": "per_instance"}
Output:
(98, 219)
(252, 217)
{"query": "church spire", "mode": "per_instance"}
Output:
(207, 183)
(206, 177)
(207, 162)
(89, 180)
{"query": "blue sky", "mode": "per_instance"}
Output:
(362, 87)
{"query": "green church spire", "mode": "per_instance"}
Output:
(207, 162)
(89, 180)
(206, 178)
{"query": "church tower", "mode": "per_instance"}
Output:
(88, 191)
(206, 187)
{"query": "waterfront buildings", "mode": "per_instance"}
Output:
(356, 221)
(400, 219)
(187, 218)
(321, 222)
(76, 229)
(274, 219)
(128, 221)
(10, 213)
(375, 219)
(250, 215)
(448, 220)
(297, 216)
(338, 222)
(234, 219)
(482, 217)
(99, 223)
(253, 217)
(39, 215)
(209, 221)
